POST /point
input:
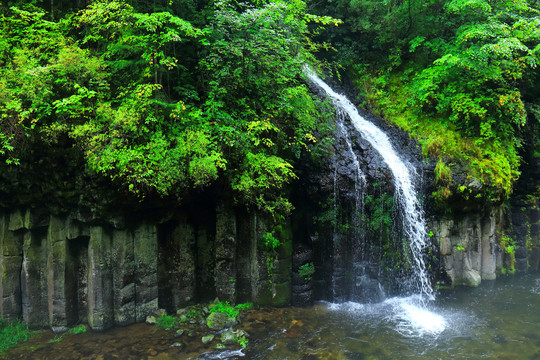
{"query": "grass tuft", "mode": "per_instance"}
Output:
(12, 333)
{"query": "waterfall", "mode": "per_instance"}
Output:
(348, 273)
(414, 223)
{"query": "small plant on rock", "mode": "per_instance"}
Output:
(228, 309)
(509, 246)
(242, 341)
(224, 308)
(166, 322)
(244, 306)
(79, 329)
(306, 271)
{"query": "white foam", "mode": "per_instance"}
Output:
(408, 316)
(349, 306)
(536, 288)
(222, 355)
(415, 320)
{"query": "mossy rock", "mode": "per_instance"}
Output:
(207, 339)
(217, 321)
(229, 338)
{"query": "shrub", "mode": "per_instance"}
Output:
(12, 333)
(166, 322)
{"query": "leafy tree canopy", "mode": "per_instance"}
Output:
(161, 106)
(460, 75)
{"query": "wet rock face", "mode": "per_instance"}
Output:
(348, 204)
(62, 270)
(70, 272)
(302, 277)
(468, 248)
(475, 247)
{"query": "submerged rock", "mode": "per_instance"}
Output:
(472, 278)
(208, 339)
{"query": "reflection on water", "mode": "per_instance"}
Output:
(498, 320)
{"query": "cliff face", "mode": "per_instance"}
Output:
(75, 251)
(61, 270)
(476, 246)
(502, 239)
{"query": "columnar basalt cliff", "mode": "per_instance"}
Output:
(469, 248)
(476, 247)
(62, 270)
(495, 240)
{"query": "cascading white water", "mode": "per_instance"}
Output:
(354, 284)
(414, 226)
(410, 315)
(360, 180)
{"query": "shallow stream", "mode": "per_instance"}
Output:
(498, 320)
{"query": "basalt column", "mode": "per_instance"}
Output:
(34, 279)
(11, 245)
(225, 261)
(59, 309)
(123, 277)
(100, 280)
(145, 246)
(177, 283)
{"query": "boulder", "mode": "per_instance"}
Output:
(217, 321)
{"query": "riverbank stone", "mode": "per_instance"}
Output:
(217, 321)
(207, 339)
(471, 278)
(229, 337)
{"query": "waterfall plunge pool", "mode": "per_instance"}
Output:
(498, 320)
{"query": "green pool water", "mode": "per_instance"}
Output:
(498, 320)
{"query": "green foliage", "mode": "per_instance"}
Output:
(163, 107)
(306, 271)
(166, 322)
(270, 241)
(56, 339)
(379, 211)
(244, 306)
(269, 118)
(224, 308)
(509, 247)
(12, 333)
(261, 173)
(242, 341)
(79, 329)
(458, 75)
(228, 309)
(271, 244)
(443, 174)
